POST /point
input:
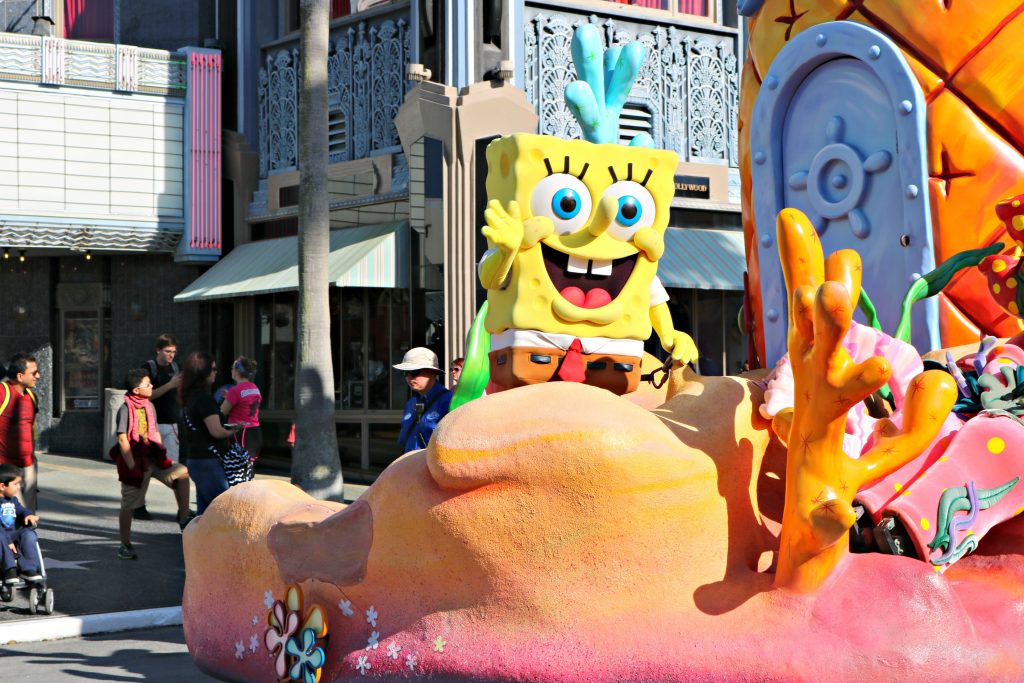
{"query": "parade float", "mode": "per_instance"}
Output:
(851, 514)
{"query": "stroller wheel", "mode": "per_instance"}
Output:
(6, 593)
(33, 600)
(48, 601)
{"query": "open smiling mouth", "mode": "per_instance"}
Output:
(584, 283)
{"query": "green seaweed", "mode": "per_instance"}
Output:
(932, 283)
(476, 371)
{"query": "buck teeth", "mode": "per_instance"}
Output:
(599, 267)
(577, 265)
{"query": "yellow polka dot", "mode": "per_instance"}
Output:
(906, 493)
(1018, 222)
(998, 266)
(925, 524)
(996, 445)
(944, 458)
(996, 288)
(937, 568)
(1012, 283)
(1019, 510)
(1015, 203)
(898, 486)
(1012, 308)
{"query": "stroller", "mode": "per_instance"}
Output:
(40, 596)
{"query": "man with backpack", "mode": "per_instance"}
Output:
(163, 373)
(18, 408)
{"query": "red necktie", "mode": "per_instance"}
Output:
(572, 364)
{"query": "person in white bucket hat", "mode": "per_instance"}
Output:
(430, 399)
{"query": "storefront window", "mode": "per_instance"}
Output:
(350, 444)
(81, 355)
(709, 316)
(353, 359)
(384, 446)
(275, 344)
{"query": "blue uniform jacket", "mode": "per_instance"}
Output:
(415, 435)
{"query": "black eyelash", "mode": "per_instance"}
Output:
(629, 174)
(551, 171)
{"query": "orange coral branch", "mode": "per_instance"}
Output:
(821, 480)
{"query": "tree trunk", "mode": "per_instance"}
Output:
(316, 467)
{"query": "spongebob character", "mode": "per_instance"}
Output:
(575, 229)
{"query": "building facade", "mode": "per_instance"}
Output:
(109, 196)
(416, 91)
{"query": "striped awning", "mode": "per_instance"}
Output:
(366, 256)
(703, 259)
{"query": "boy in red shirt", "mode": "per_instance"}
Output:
(140, 455)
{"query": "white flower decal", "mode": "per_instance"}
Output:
(346, 607)
(268, 599)
(255, 619)
(393, 650)
(254, 643)
(410, 661)
(239, 650)
(372, 643)
(363, 665)
(371, 616)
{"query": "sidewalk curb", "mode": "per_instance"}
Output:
(54, 628)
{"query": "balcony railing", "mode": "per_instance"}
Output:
(366, 85)
(79, 63)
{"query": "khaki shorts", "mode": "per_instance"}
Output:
(135, 497)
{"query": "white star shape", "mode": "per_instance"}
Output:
(363, 665)
(393, 650)
(371, 616)
(372, 643)
(239, 650)
(268, 599)
(254, 643)
(410, 661)
(346, 607)
(255, 619)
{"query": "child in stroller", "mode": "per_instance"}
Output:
(19, 545)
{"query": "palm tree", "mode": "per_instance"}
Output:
(316, 467)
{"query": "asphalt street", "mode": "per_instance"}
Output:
(150, 655)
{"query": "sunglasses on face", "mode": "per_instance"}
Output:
(415, 373)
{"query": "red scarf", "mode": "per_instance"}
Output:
(134, 403)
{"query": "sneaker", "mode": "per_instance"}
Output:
(188, 518)
(11, 575)
(141, 513)
(32, 577)
(126, 552)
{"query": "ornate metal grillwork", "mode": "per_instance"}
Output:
(366, 85)
(690, 82)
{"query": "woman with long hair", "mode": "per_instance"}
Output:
(203, 438)
(242, 405)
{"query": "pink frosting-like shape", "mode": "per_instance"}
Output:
(861, 342)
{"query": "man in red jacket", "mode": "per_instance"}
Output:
(17, 422)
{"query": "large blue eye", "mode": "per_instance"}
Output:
(566, 203)
(564, 199)
(637, 209)
(630, 211)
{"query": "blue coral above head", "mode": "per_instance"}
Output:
(605, 78)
